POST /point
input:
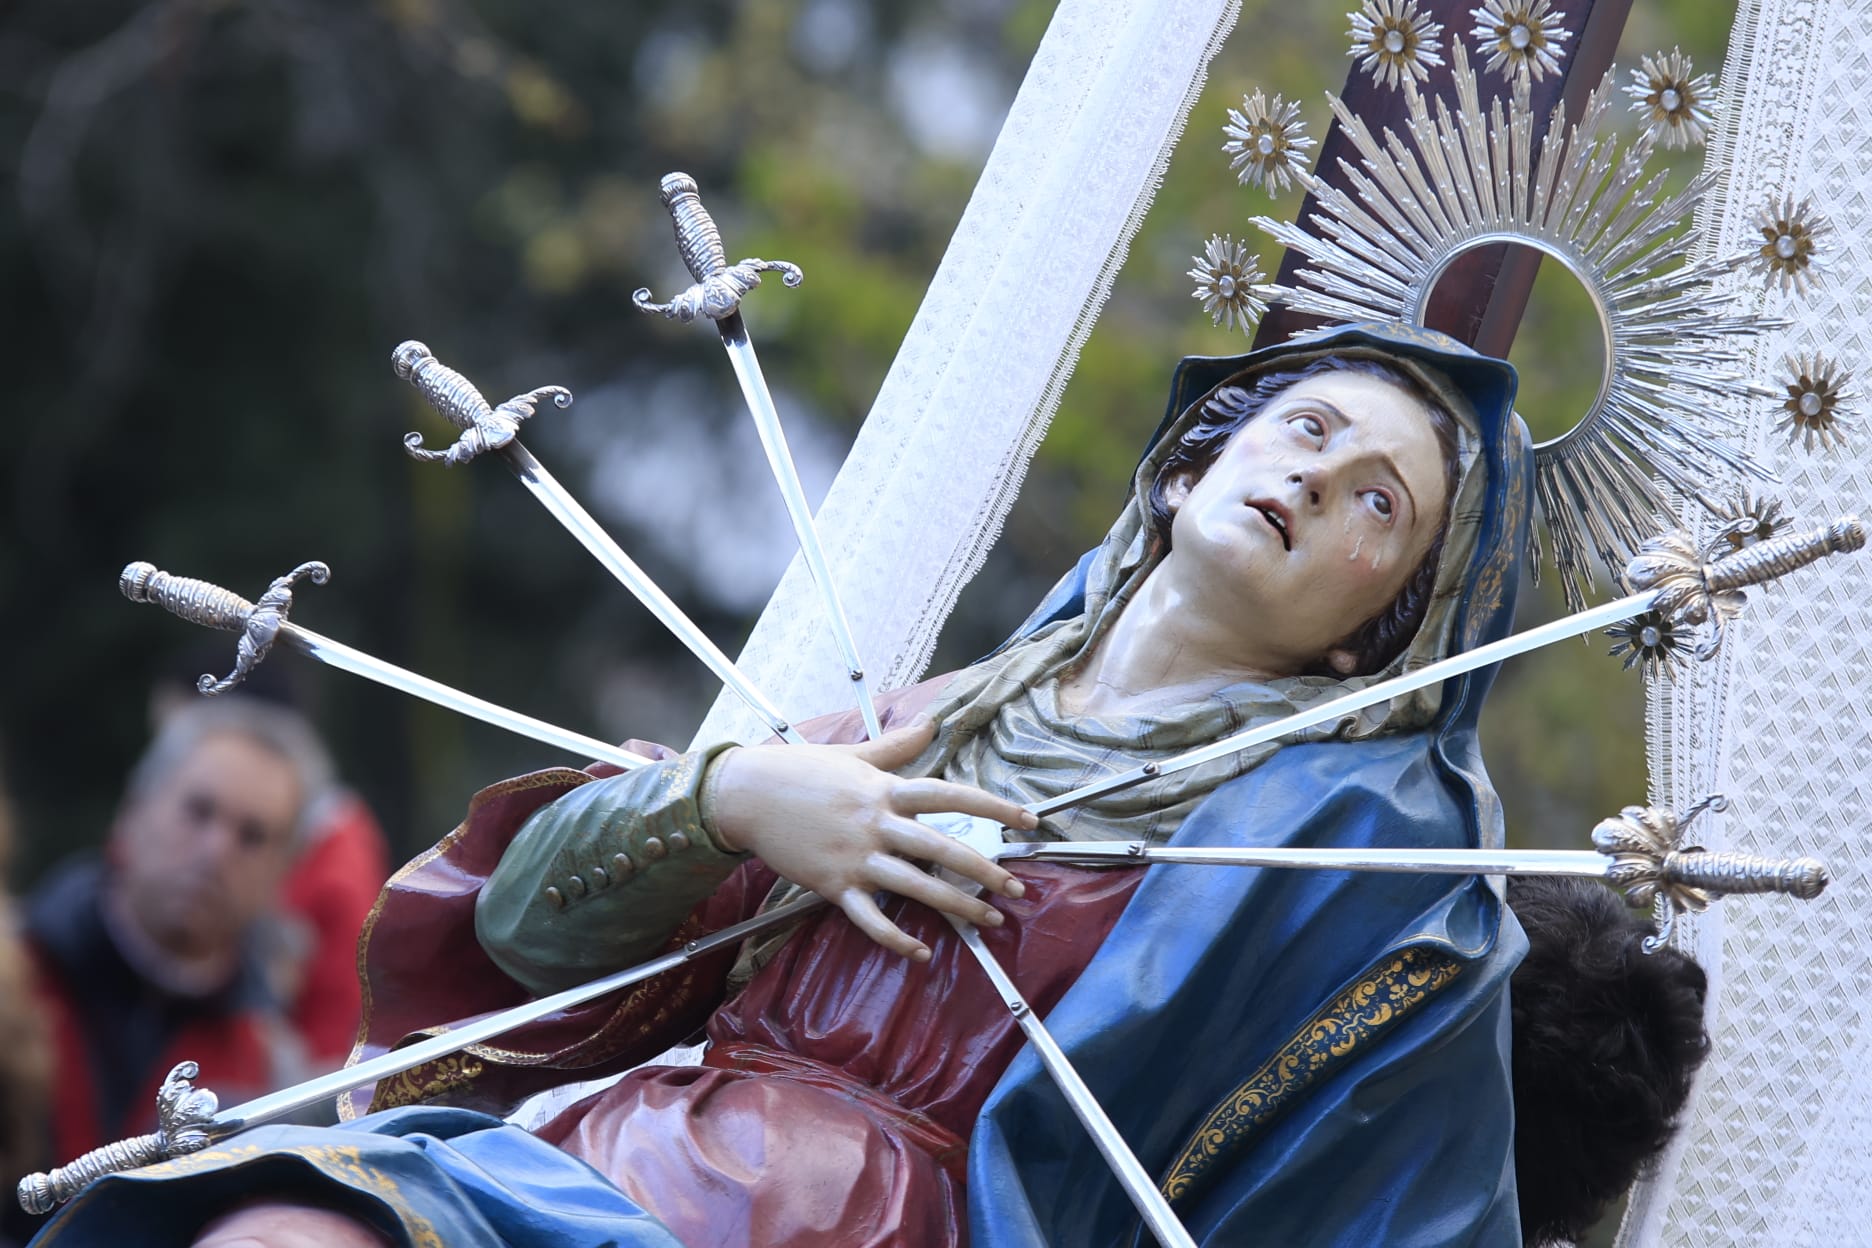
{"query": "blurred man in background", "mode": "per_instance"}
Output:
(151, 955)
(309, 943)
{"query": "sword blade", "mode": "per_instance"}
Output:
(460, 1036)
(579, 522)
(346, 658)
(1576, 862)
(747, 369)
(1150, 1203)
(1410, 682)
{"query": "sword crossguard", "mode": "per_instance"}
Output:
(719, 286)
(184, 1124)
(1693, 590)
(1653, 865)
(483, 428)
(207, 604)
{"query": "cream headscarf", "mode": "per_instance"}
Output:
(1000, 724)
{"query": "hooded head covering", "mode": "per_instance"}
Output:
(1002, 725)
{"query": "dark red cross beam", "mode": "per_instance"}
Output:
(1481, 299)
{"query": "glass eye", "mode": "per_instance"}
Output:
(1380, 503)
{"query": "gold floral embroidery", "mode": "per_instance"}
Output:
(426, 1082)
(1382, 997)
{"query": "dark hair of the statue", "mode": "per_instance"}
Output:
(1606, 1041)
(1383, 637)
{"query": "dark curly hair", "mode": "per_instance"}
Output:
(1383, 637)
(1606, 1040)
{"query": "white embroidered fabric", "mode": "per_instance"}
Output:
(1773, 1153)
(933, 472)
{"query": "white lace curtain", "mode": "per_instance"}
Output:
(1775, 1150)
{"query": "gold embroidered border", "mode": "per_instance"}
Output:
(519, 784)
(1372, 1005)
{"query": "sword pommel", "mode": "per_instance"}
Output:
(211, 606)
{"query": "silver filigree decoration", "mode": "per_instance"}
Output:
(1652, 639)
(1393, 42)
(1267, 142)
(185, 1123)
(211, 606)
(1226, 275)
(1521, 38)
(483, 427)
(1671, 101)
(1788, 255)
(1468, 179)
(1656, 865)
(1689, 588)
(1816, 391)
(1744, 521)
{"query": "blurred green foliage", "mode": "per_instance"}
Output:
(223, 214)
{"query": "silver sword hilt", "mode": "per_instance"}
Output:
(483, 428)
(719, 286)
(184, 1124)
(1653, 865)
(1691, 590)
(207, 604)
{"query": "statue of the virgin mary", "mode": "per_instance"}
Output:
(1284, 1051)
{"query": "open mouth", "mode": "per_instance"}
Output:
(1276, 518)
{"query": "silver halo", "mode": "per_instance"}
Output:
(1468, 178)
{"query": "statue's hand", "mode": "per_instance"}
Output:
(833, 818)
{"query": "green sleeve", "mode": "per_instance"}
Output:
(598, 880)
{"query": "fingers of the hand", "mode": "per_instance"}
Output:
(899, 745)
(919, 840)
(906, 881)
(865, 915)
(929, 797)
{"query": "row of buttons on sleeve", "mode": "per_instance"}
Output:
(622, 868)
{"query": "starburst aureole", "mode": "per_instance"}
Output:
(1466, 178)
(1671, 101)
(1394, 42)
(1789, 254)
(1267, 142)
(1815, 403)
(1227, 275)
(1522, 38)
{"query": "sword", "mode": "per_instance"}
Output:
(487, 429)
(717, 295)
(1641, 850)
(1150, 1202)
(261, 624)
(1679, 585)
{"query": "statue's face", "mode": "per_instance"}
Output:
(1315, 514)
